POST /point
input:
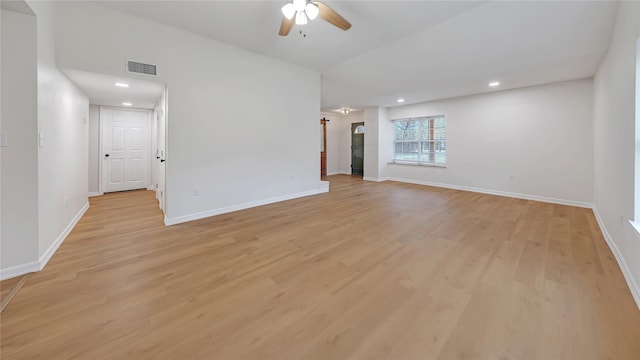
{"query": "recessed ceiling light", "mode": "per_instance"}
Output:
(127, 104)
(494, 83)
(122, 85)
(401, 100)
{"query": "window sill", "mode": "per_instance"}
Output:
(417, 164)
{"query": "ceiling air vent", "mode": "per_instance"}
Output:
(141, 68)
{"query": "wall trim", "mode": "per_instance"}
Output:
(46, 256)
(208, 213)
(19, 270)
(94, 193)
(369, 178)
(628, 275)
(341, 172)
(493, 192)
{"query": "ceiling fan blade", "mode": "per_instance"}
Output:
(286, 26)
(331, 16)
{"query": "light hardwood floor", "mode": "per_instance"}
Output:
(367, 271)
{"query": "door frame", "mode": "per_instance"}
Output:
(352, 129)
(162, 198)
(101, 143)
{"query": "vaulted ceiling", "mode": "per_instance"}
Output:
(416, 50)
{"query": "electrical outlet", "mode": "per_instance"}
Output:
(66, 201)
(196, 191)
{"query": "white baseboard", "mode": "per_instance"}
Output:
(339, 173)
(19, 270)
(34, 266)
(492, 192)
(368, 178)
(628, 275)
(46, 256)
(205, 214)
(95, 193)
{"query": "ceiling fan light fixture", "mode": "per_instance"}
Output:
(312, 11)
(345, 110)
(288, 11)
(301, 18)
(299, 5)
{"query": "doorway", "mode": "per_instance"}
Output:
(323, 147)
(357, 148)
(125, 149)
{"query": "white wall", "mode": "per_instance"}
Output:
(614, 143)
(378, 142)
(542, 136)
(372, 143)
(63, 114)
(242, 128)
(19, 169)
(94, 151)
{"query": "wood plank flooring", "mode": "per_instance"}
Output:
(367, 271)
(9, 288)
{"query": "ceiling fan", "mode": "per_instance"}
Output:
(300, 11)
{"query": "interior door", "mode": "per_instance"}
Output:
(357, 148)
(323, 147)
(125, 149)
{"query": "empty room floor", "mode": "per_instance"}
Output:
(367, 271)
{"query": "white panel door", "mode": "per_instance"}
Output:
(125, 149)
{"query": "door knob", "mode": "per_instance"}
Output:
(162, 160)
(106, 155)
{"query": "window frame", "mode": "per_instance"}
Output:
(428, 124)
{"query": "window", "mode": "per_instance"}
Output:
(420, 141)
(359, 129)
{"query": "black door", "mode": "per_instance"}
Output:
(357, 149)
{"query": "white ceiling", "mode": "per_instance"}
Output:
(101, 89)
(418, 50)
